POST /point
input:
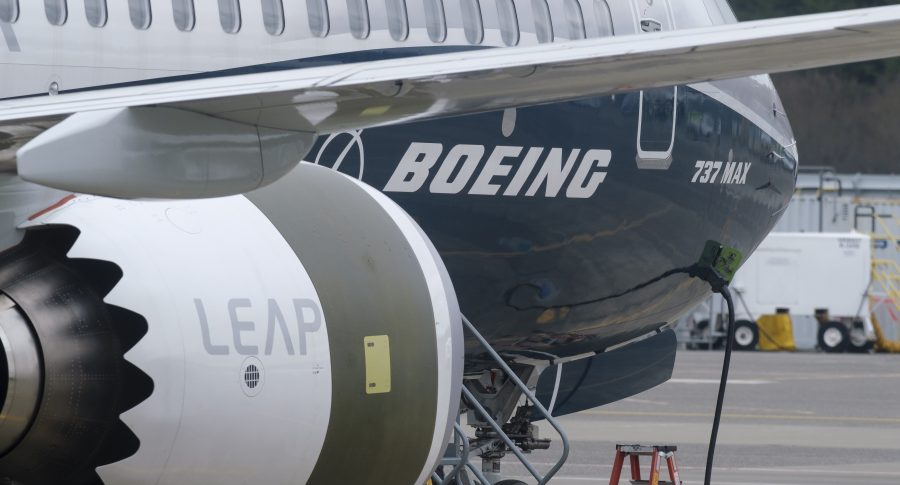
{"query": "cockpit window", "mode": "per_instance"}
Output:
(95, 11)
(139, 11)
(183, 11)
(319, 21)
(56, 11)
(273, 16)
(230, 16)
(9, 11)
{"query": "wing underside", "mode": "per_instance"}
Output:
(302, 102)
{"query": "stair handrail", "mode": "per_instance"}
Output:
(541, 411)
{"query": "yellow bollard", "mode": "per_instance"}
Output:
(776, 332)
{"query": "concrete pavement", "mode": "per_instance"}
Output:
(789, 418)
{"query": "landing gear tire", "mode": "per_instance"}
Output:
(859, 344)
(746, 335)
(861, 349)
(702, 331)
(834, 337)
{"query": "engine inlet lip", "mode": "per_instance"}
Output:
(22, 376)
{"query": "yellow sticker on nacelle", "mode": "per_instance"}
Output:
(378, 364)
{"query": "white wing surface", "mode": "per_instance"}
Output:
(287, 107)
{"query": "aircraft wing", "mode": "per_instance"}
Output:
(272, 111)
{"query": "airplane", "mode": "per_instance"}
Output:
(183, 301)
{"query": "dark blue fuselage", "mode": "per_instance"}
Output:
(545, 268)
(569, 275)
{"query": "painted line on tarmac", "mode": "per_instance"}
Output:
(785, 470)
(752, 483)
(829, 377)
(751, 382)
(603, 480)
(813, 471)
(783, 417)
(776, 377)
(645, 401)
(747, 410)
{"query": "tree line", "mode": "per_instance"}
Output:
(847, 116)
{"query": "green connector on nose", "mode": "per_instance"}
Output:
(723, 260)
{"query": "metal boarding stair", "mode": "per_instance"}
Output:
(886, 274)
(885, 280)
(459, 453)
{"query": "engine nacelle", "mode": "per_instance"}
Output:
(306, 334)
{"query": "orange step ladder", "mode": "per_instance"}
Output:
(657, 453)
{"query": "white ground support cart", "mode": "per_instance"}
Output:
(820, 279)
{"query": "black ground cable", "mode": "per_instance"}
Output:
(716, 269)
(720, 399)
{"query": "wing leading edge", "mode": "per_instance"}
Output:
(368, 94)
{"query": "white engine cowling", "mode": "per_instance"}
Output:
(306, 334)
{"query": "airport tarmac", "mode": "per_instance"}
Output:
(789, 418)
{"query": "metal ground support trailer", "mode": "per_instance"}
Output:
(820, 279)
(828, 202)
(877, 217)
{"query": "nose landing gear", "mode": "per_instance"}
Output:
(502, 426)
